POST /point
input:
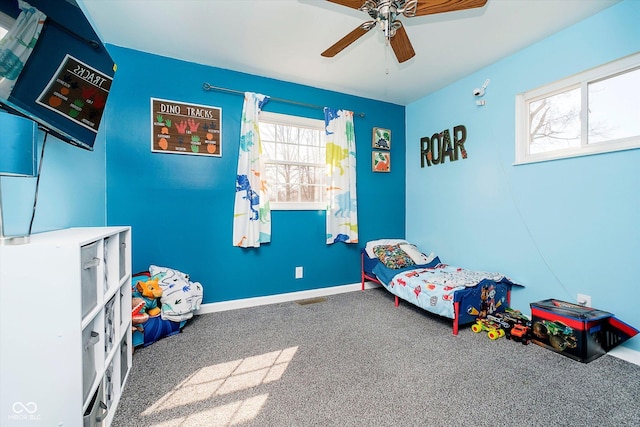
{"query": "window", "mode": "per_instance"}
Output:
(293, 150)
(6, 22)
(596, 111)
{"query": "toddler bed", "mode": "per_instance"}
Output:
(423, 280)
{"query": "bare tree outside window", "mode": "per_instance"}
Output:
(555, 122)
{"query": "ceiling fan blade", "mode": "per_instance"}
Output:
(348, 39)
(354, 4)
(429, 7)
(402, 46)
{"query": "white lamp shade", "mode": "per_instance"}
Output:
(18, 145)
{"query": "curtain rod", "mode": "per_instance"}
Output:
(207, 86)
(93, 43)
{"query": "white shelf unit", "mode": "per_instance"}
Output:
(65, 327)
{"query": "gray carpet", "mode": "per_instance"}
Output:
(356, 360)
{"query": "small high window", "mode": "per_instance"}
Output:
(596, 111)
(293, 150)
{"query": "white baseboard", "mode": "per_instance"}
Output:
(625, 353)
(216, 307)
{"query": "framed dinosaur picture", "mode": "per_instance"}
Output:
(381, 139)
(182, 128)
(381, 161)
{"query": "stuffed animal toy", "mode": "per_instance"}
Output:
(138, 317)
(149, 291)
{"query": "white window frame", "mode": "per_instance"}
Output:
(582, 80)
(297, 121)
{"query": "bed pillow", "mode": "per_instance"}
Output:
(392, 256)
(373, 243)
(414, 253)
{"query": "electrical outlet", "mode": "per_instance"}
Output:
(298, 272)
(584, 300)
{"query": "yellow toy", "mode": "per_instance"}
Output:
(150, 291)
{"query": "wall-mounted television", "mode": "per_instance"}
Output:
(66, 80)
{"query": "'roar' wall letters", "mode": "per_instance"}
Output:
(437, 148)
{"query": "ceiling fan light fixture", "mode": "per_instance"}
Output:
(368, 25)
(368, 6)
(395, 25)
(387, 29)
(385, 13)
(409, 8)
(387, 9)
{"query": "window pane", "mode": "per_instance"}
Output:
(288, 152)
(311, 193)
(614, 112)
(310, 137)
(286, 174)
(321, 154)
(267, 131)
(308, 154)
(270, 171)
(273, 193)
(316, 175)
(554, 122)
(268, 149)
(289, 193)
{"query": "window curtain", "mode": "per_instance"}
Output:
(342, 215)
(17, 45)
(251, 213)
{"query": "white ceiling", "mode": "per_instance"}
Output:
(283, 39)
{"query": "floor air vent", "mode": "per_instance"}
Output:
(310, 300)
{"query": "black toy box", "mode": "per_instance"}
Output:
(581, 333)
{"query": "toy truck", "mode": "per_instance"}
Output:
(520, 333)
(513, 317)
(560, 336)
(494, 330)
(519, 328)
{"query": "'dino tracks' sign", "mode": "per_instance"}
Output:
(184, 128)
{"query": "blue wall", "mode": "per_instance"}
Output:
(71, 191)
(181, 206)
(561, 227)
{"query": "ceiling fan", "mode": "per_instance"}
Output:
(385, 12)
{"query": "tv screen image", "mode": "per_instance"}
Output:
(65, 82)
